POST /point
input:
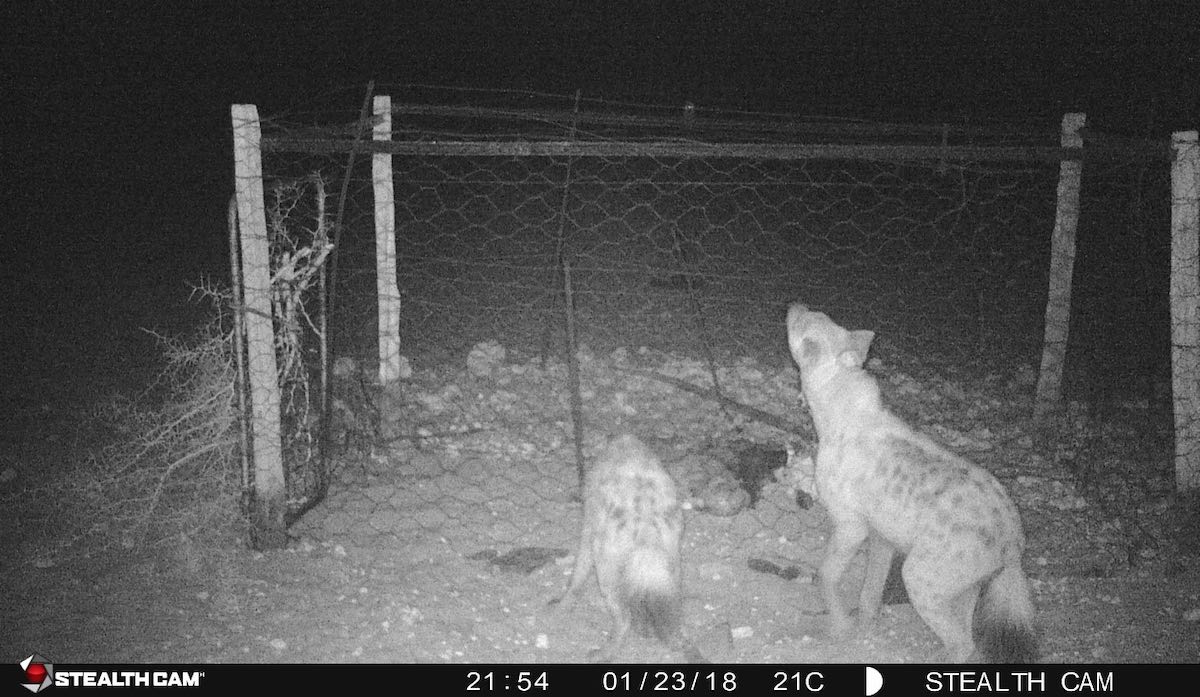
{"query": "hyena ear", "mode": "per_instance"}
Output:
(797, 317)
(858, 344)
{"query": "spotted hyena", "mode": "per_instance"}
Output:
(631, 526)
(884, 483)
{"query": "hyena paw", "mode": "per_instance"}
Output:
(558, 606)
(600, 655)
(563, 602)
(840, 627)
(692, 655)
(866, 622)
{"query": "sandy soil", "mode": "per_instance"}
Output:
(404, 560)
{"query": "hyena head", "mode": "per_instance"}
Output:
(820, 347)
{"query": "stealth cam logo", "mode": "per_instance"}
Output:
(39, 673)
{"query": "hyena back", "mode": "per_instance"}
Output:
(885, 483)
(632, 522)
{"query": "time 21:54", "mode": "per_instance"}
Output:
(521, 681)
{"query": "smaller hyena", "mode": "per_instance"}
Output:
(883, 482)
(631, 527)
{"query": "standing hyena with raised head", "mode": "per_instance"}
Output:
(631, 527)
(880, 479)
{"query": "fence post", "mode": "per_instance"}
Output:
(1062, 266)
(385, 247)
(1185, 303)
(267, 527)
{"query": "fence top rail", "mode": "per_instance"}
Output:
(687, 118)
(687, 149)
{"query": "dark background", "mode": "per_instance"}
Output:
(117, 157)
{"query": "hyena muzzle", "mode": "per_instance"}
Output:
(882, 482)
(632, 522)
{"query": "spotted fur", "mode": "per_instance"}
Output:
(632, 523)
(885, 483)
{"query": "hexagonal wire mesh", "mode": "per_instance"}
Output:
(681, 264)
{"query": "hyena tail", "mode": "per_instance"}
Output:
(1005, 618)
(651, 594)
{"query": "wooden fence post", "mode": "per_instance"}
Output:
(385, 247)
(268, 528)
(1062, 266)
(1185, 304)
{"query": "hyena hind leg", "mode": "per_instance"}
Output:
(949, 616)
(688, 650)
(610, 576)
(692, 655)
(616, 642)
(579, 576)
(622, 621)
(678, 642)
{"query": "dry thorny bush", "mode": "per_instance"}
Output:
(153, 469)
(162, 467)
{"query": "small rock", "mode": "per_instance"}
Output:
(344, 367)
(1025, 376)
(485, 357)
(723, 496)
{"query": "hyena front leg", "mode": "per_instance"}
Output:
(879, 562)
(847, 536)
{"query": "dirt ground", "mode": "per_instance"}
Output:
(436, 548)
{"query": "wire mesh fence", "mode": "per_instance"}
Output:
(674, 241)
(665, 245)
(697, 254)
(661, 244)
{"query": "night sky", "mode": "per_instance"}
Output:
(117, 147)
